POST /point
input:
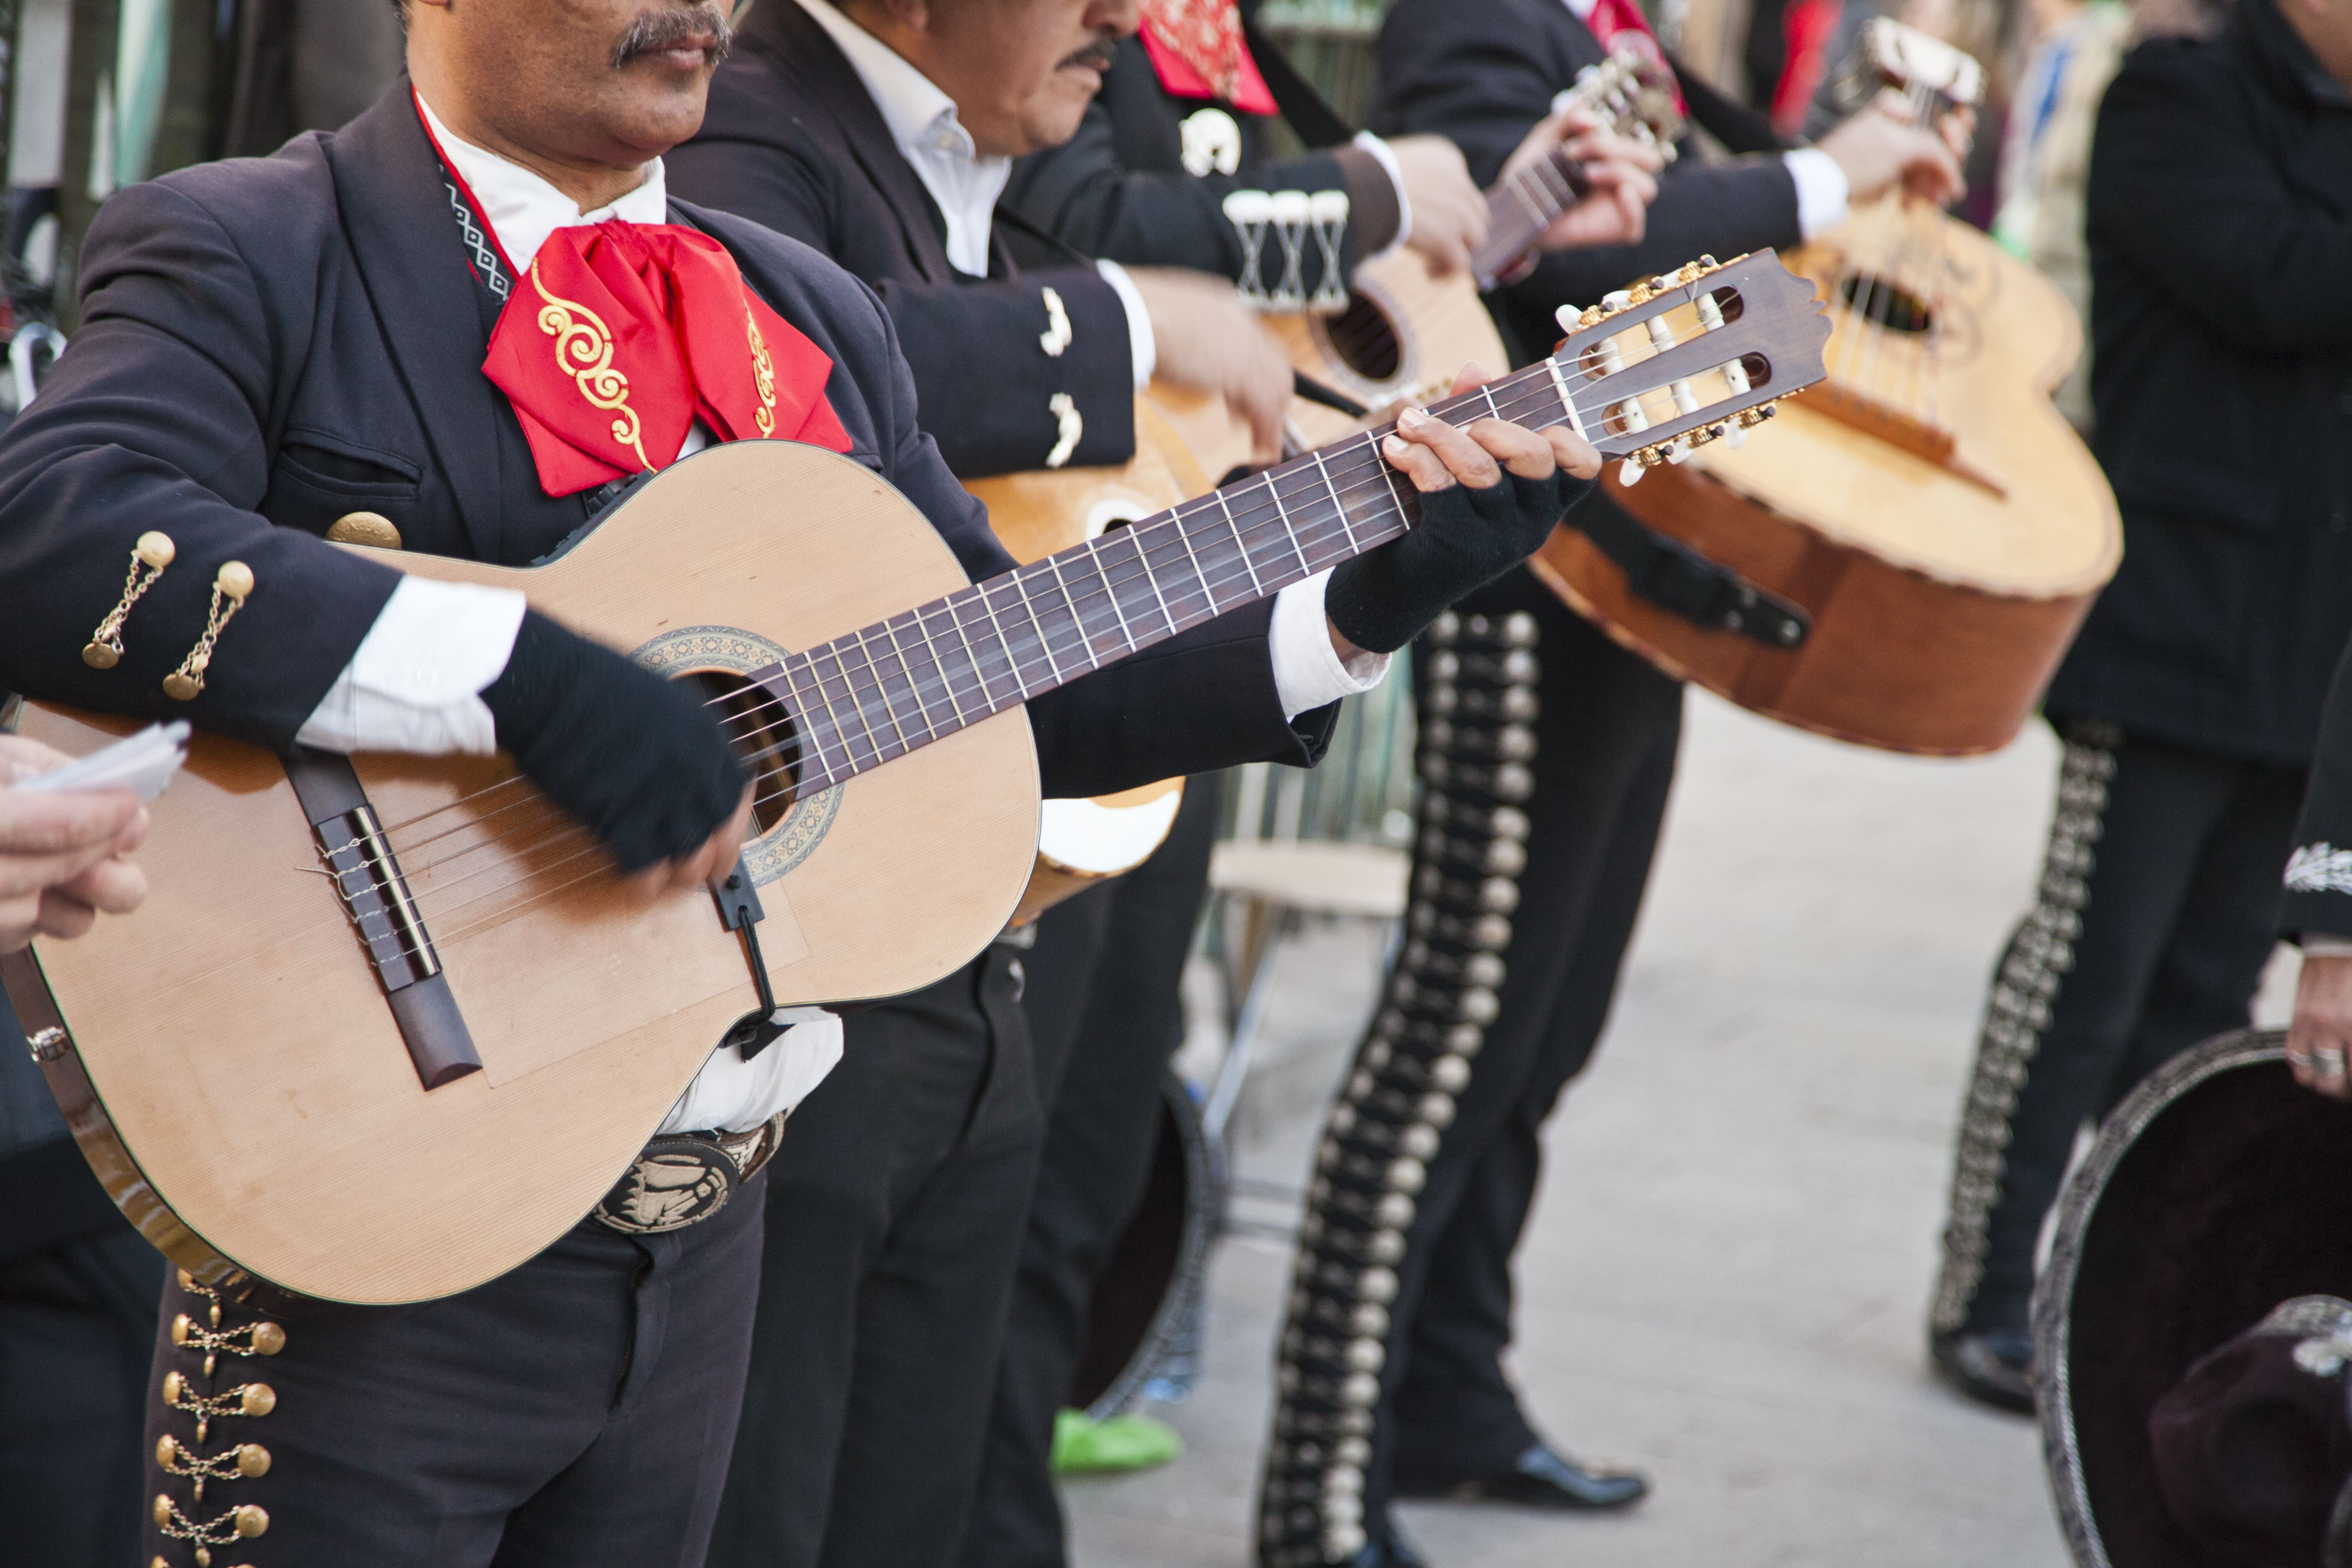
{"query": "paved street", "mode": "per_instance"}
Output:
(1726, 1279)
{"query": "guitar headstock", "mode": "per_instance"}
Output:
(1697, 355)
(1632, 94)
(1911, 61)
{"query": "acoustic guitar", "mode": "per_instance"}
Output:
(1927, 506)
(1034, 514)
(386, 1026)
(1405, 332)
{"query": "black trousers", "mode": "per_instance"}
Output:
(2156, 911)
(1606, 742)
(77, 1336)
(1104, 986)
(575, 1412)
(895, 1216)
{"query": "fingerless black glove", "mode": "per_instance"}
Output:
(1465, 539)
(637, 758)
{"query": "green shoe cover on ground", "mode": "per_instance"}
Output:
(1084, 1448)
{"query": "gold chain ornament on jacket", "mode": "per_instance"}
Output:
(244, 1460)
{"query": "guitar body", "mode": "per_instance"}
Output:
(1082, 842)
(236, 1076)
(1406, 334)
(1943, 589)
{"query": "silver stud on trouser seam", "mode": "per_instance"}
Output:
(1478, 708)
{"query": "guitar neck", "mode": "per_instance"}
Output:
(922, 675)
(1520, 206)
(1748, 332)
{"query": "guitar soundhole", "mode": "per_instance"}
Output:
(763, 735)
(1366, 340)
(1887, 303)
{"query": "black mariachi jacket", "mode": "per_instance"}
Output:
(792, 142)
(1145, 179)
(2221, 239)
(270, 343)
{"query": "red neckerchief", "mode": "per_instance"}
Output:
(1198, 51)
(620, 335)
(1619, 24)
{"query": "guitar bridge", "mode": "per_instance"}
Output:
(384, 915)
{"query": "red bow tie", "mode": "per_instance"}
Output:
(620, 335)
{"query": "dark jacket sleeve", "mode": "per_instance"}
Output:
(1199, 702)
(1478, 74)
(1096, 195)
(159, 416)
(2318, 898)
(2258, 265)
(983, 372)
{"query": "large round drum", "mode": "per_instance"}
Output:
(1145, 1321)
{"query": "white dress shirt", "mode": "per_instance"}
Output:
(1821, 187)
(414, 684)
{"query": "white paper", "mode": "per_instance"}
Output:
(144, 764)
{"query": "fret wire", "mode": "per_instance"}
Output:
(1020, 682)
(914, 686)
(946, 679)
(1289, 529)
(1536, 214)
(1324, 470)
(954, 604)
(1389, 472)
(1243, 544)
(849, 691)
(801, 708)
(1044, 627)
(816, 675)
(1118, 607)
(1110, 592)
(882, 686)
(1200, 573)
(1143, 558)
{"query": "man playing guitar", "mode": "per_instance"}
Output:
(327, 341)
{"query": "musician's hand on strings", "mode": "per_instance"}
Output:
(1623, 174)
(1491, 493)
(1210, 341)
(1878, 152)
(639, 760)
(1447, 212)
(62, 855)
(2321, 1035)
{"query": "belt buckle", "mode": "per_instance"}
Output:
(683, 1178)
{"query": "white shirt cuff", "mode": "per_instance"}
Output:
(731, 1095)
(1308, 670)
(1141, 345)
(1821, 189)
(1380, 150)
(414, 684)
(2316, 944)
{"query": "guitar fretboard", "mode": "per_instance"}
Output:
(1520, 206)
(922, 675)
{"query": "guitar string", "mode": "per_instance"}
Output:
(1323, 534)
(542, 894)
(923, 682)
(926, 683)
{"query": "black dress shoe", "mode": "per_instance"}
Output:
(1992, 1366)
(1389, 1548)
(1545, 1477)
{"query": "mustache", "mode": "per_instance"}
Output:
(1098, 54)
(686, 26)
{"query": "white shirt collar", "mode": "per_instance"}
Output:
(523, 209)
(922, 121)
(1582, 8)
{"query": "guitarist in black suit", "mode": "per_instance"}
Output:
(1187, 115)
(349, 335)
(1447, 1420)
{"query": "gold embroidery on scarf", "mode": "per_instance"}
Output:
(763, 372)
(583, 351)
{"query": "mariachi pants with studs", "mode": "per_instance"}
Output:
(2156, 911)
(1526, 886)
(575, 1413)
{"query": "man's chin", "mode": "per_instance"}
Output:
(1054, 116)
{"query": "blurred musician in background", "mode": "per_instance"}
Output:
(2220, 235)
(1186, 116)
(1449, 1422)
